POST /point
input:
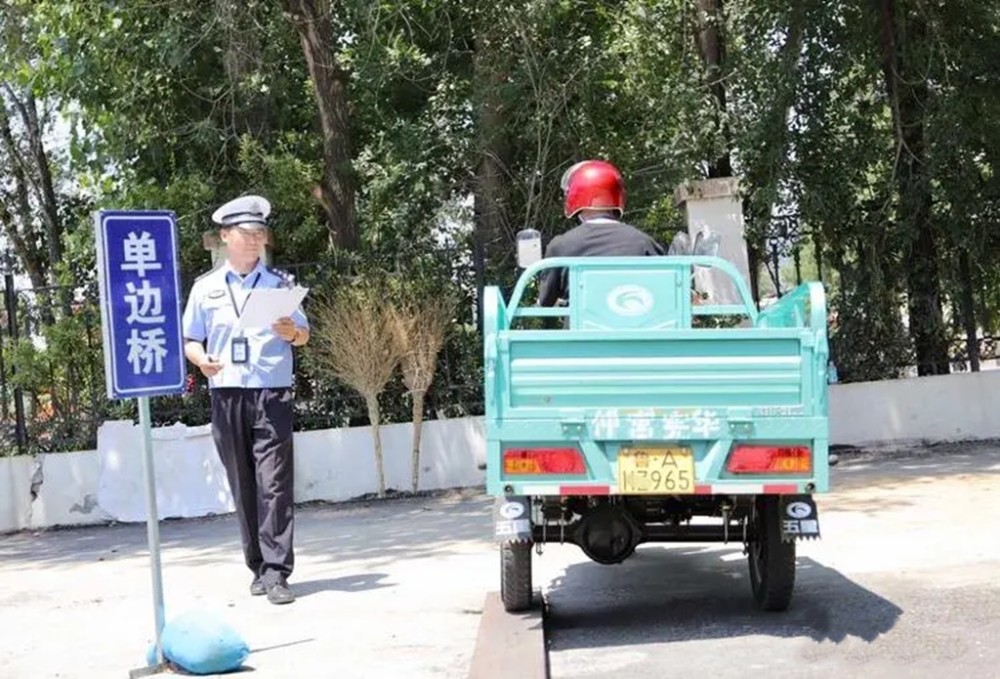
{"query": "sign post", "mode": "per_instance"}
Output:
(138, 272)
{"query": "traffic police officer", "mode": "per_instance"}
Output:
(250, 380)
(595, 193)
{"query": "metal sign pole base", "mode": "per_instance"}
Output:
(162, 668)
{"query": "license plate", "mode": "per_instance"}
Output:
(656, 471)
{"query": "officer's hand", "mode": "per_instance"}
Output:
(284, 328)
(209, 366)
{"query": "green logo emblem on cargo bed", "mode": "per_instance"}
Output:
(630, 300)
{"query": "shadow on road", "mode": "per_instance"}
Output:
(665, 594)
(380, 534)
(350, 583)
(929, 464)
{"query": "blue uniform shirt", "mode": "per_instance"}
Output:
(211, 315)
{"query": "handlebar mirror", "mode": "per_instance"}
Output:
(529, 247)
(706, 244)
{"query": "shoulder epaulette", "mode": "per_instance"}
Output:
(286, 278)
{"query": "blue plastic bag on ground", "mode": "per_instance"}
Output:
(201, 642)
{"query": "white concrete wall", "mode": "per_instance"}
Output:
(15, 492)
(190, 479)
(920, 409)
(339, 464)
(67, 486)
(335, 465)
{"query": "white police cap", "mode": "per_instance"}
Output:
(246, 211)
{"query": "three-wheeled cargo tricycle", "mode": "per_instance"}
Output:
(631, 418)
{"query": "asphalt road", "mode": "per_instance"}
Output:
(904, 583)
(392, 589)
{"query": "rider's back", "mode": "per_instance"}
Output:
(593, 238)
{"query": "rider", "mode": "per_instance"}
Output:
(595, 193)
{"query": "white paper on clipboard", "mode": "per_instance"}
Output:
(266, 306)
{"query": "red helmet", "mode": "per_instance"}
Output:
(593, 184)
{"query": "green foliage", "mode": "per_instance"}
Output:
(184, 105)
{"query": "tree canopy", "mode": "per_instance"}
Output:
(414, 138)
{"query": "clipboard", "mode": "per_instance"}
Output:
(266, 306)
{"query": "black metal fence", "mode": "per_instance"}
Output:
(53, 390)
(53, 393)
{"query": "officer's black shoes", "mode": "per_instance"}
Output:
(278, 593)
(257, 587)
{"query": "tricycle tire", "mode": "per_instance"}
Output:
(515, 576)
(771, 559)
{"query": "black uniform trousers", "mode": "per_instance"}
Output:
(252, 429)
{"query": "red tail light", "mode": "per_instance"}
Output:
(543, 461)
(770, 460)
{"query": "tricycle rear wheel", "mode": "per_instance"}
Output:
(515, 576)
(771, 559)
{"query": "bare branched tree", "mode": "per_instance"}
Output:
(355, 341)
(420, 328)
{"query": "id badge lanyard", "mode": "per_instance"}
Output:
(240, 352)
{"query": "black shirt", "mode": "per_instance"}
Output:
(594, 238)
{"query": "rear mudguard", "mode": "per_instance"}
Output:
(799, 517)
(512, 519)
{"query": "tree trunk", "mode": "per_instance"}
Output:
(19, 226)
(418, 428)
(985, 314)
(22, 250)
(49, 205)
(374, 419)
(906, 86)
(969, 310)
(753, 263)
(818, 250)
(46, 190)
(710, 40)
(336, 192)
(490, 213)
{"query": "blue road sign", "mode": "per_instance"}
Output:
(137, 266)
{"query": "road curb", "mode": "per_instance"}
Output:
(510, 644)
